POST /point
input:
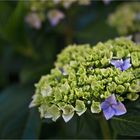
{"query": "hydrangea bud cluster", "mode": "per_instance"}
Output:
(85, 76)
(126, 18)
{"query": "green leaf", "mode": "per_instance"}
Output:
(94, 21)
(128, 124)
(14, 112)
(33, 73)
(33, 125)
(13, 27)
(5, 11)
(83, 127)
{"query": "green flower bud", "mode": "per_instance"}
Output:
(134, 87)
(104, 61)
(105, 72)
(132, 96)
(43, 109)
(120, 89)
(56, 72)
(73, 64)
(117, 80)
(126, 85)
(120, 53)
(65, 88)
(111, 87)
(135, 59)
(120, 99)
(37, 99)
(46, 91)
(106, 94)
(95, 107)
(68, 112)
(58, 94)
(54, 112)
(80, 107)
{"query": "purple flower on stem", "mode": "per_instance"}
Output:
(111, 107)
(106, 2)
(55, 16)
(121, 64)
(33, 20)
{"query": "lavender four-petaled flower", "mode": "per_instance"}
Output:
(111, 107)
(121, 64)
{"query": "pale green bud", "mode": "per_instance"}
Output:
(58, 94)
(104, 61)
(68, 112)
(43, 109)
(132, 96)
(46, 91)
(36, 100)
(54, 112)
(80, 107)
(120, 99)
(120, 89)
(95, 107)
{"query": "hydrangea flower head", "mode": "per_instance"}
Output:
(89, 78)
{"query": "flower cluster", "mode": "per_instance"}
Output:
(98, 78)
(42, 9)
(126, 18)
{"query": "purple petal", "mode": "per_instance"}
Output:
(126, 64)
(127, 60)
(63, 71)
(54, 22)
(55, 16)
(105, 105)
(117, 63)
(119, 109)
(111, 99)
(109, 113)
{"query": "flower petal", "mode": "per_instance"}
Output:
(32, 104)
(55, 16)
(105, 105)
(80, 107)
(119, 109)
(126, 64)
(111, 99)
(67, 117)
(68, 112)
(96, 107)
(109, 113)
(117, 63)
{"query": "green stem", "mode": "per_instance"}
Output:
(104, 127)
(69, 29)
(114, 136)
(69, 35)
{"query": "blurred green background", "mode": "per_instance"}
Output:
(27, 53)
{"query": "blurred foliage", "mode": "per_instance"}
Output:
(26, 54)
(126, 18)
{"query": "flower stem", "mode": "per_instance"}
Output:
(104, 127)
